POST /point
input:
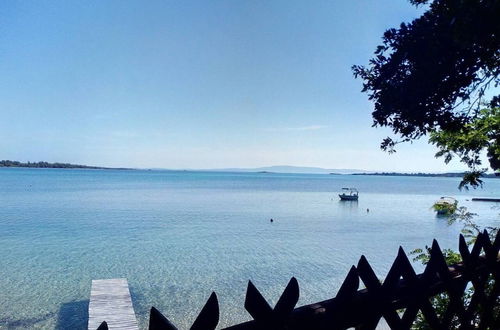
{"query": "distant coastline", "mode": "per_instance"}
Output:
(13, 163)
(261, 170)
(447, 175)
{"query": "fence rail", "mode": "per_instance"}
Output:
(467, 293)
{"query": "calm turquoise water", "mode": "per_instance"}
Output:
(177, 236)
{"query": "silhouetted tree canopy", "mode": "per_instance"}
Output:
(437, 73)
(482, 133)
(15, 163)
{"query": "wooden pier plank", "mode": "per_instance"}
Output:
(486, 199)
(110, 301)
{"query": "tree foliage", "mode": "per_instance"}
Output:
(436, 72)
(14, 163)
(482, 133)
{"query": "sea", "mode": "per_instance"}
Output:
(177, 236)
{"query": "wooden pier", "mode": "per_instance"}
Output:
(110, 301)
(484, 199)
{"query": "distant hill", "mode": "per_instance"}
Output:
(292, 169)
(13, 163)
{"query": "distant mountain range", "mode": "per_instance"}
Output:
(292, 169)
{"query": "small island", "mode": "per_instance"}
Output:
(13, 163)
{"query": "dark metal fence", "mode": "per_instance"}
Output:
(463, 296)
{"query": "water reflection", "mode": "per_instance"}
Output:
(348, 205)
(442, 216)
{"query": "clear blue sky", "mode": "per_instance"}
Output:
(195, 84)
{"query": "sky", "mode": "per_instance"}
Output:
(196, 84)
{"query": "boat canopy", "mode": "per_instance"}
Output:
(447, 200)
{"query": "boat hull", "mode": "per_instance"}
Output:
(348, 197)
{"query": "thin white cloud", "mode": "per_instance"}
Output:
(300, 128)
(124, 134)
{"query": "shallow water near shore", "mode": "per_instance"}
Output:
(178, 236)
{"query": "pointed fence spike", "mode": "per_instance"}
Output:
(496, 242)
(362, 259)
(349, 286)
(159, 322)
(435, 244)
(367, 274)
(495, 246)
(403, 256)
(103, 326)
(288, 299)
(256, 305)
(437, 253)
(487, 241)
(478, 245)
(396, 269)
(410, 276)
(437, 259)
(432, 268)
(209, 315)
(463, 248)
(390, 283)
(407, 268)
